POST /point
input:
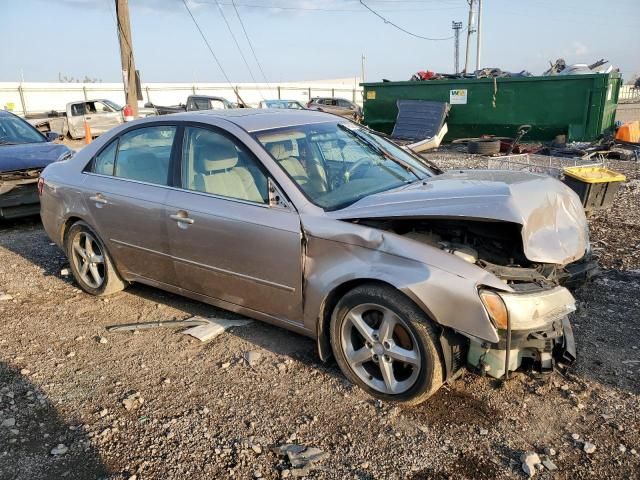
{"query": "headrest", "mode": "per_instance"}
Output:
(281, 150)
(216, 154)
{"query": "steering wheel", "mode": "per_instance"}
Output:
(361, 162)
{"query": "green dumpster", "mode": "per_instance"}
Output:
(582, 107)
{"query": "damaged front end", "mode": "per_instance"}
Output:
(518, 240)
(530, 315)
(18, 193)
(533, 327)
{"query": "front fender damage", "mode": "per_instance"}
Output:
(442, 285)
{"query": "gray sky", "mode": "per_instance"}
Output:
(307, 39)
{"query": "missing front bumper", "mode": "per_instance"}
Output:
(541, 350)
(20, 200)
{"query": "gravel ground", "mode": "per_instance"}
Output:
(201, 411)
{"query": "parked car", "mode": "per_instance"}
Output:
(24, 152)
(337, 106)
(194, 103)
(316, 224)
(292, 104)
(101, 116)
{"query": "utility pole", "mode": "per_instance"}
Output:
(126, 55)
(470, 30)
(478, 35)
(362, 69)
(456, 26)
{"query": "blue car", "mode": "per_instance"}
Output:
(24, 152)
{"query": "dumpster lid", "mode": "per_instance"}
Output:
(419, 119)
(594, 174)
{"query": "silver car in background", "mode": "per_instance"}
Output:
(338, 106)
(305, 220)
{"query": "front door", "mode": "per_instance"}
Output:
(125, 191)
(106, 117)
(227, 243)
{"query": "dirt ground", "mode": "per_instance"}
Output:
(207, 413)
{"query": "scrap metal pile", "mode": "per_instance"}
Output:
(559, 67)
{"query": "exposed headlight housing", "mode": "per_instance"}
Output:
(527, 311)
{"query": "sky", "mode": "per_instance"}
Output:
(307, 39)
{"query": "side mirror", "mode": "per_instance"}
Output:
(53, 136)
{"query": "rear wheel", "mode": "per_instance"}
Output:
(386, 345)
(90, 262)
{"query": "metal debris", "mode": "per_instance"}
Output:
(190, 322)
(204, 329)
(213, 327)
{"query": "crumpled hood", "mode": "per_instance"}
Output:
(29, 155)
(554, 226)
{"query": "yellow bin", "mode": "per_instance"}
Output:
(596, 186)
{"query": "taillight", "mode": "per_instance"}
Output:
(40, 186)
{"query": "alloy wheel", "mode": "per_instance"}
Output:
(88, 259)
(380, 348)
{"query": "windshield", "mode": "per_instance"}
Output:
(14, 130)
(113, 105)
(337, 164)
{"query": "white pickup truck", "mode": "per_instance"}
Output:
(101, 115)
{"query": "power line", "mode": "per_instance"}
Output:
(345, 10)
(208, 45)
(255, 57)
(399, 27)
(244, 59)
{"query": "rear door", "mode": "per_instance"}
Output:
(125, 190)
(345, 108)
(95, 119)
(75, 119)
(329, 105)
(226, 241)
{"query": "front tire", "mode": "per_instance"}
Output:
(386, 345)
(90, 262)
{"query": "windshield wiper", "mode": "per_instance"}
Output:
(379, 150)
(7, 142)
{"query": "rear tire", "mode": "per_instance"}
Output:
(386, 345)
(90, 262)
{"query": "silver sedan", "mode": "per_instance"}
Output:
(403, 273)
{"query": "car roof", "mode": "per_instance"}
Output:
(207, 96)
(256, 119)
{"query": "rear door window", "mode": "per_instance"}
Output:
(106, 160)
(143, 154)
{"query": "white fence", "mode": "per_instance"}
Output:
(31, 97)
(629, 94)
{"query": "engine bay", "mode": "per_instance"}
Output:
(493, 246)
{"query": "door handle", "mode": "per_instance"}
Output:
(181, 217)
(99, 198)
(87, 118)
